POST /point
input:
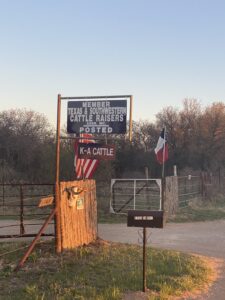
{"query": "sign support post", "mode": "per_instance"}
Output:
(130, 125)
(144, 259)
(145, 219)
(58, 244)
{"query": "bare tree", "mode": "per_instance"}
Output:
(28, 139)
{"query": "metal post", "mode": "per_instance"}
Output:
(202, 186)
(148, 201)
(163, 193)
(160, 195)
(3, 186)
(219, 178)
(146, 173)
(21, 211)
(174, 170)
(58, 243)
(185, 190)
(31, 247)
(144, 259)
(53, 193)
(130, 125)
(164, 149)
(134, 194)
(112, 196)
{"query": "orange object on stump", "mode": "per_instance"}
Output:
(78, 213)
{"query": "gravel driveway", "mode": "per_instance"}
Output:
(205, 238)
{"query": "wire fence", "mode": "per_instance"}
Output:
(20, 214)
(189, 190)
(19, 208)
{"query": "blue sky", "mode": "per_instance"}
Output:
(159, 51)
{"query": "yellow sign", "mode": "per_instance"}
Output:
(46, 201)
(80, 203)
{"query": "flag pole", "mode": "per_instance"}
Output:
(163, 173)
(164, 149)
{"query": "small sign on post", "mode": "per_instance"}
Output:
(46, 201)
(147, 218)
(80, 203)
(96, 151)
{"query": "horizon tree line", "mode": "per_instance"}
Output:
(195, 134)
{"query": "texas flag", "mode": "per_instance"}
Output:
(161, 149)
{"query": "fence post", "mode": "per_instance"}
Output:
(31, 247)
(174, 170)
(163, 193)
(146, 173)
(53, 193)
(22, 231)
(58, 238)
(134, 194)
(203, 185)
(144, 259)
(3, 197)
(219, 178)
(147, 198)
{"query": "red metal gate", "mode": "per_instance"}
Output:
(20, 215)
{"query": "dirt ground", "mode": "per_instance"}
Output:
(204, 238)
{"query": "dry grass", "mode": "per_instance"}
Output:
(101, 271)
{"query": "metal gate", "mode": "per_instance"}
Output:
(189, 190)
(20, 215)
(139, 194)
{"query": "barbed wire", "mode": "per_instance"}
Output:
(25, 224)
(26, 199)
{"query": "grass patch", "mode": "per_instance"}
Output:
(187, 214)
(100, 271)
(201, 211)
(195, 214)
(111, 218)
